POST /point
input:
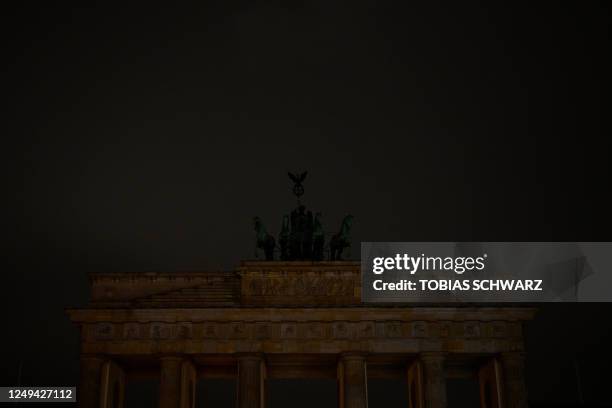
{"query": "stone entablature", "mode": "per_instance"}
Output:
(395, 330)
(287, 320)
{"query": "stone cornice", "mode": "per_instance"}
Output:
(304, 314)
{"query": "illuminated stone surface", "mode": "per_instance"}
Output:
(285, 320)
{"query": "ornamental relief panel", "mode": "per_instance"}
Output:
(160, 331)
(288, 330)
(288, 286)
(393, 329)
(283, 331)
(419, 329)
(131, 331)
(104, 331)
(471, 329)
(365, 330)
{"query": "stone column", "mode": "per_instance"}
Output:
(88, 393)
(414, 377)
(353, 381)
(170, 382)
(434, 381)
(189, 378)
(250, 381)
(112, 388)
(489, 378)
(513, 376)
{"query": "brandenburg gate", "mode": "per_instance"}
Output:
(275, 319)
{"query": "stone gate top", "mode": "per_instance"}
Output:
(286, 319)
(253, 283)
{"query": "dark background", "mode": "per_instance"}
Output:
(142, 139)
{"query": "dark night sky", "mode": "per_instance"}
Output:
(146, 139)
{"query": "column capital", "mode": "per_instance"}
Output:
(513, 356)
(427, 356)
(353, 355)
(93, 357)
(250, 356)
(172, 357)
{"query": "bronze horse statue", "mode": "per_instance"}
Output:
(340, 240)
(265, 241)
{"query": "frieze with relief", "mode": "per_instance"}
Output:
(299, 286)
(330, 330)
